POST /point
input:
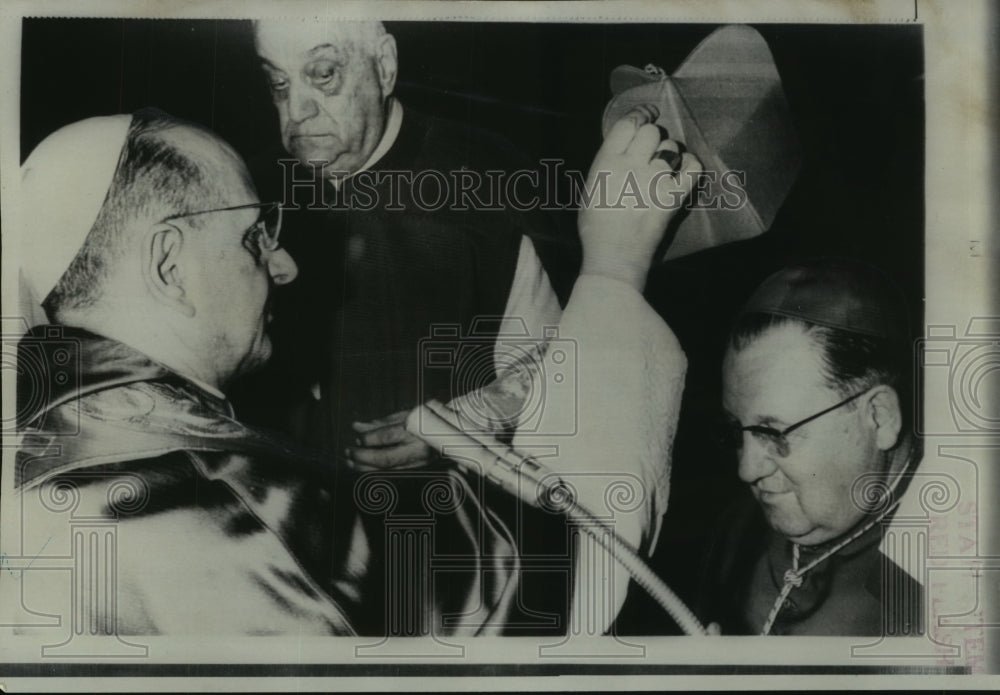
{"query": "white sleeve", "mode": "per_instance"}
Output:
(532, 304)
(612, 382)
(596, 399)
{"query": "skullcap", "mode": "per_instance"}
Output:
(845, 295)
(63, 186)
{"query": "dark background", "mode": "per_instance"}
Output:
(856, 96)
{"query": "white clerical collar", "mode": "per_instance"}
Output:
(389, 135)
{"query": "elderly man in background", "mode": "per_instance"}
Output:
(383, 268)
(386, 277)
(157, 278)
(817, 395)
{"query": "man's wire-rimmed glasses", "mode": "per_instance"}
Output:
(259, 237)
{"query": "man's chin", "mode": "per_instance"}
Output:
(333, 161)
(257, 358)
(798, 530)
(263, 353)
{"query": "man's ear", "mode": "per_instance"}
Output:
(385, 63)
(162, 269)
(886, 416)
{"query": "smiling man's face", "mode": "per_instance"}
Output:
(775, 381)
(329, 82)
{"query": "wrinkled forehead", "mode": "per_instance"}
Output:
(774, 372)
(284, 43)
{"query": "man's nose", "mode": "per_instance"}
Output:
(281, 267)
(755, 460)
(301, 104)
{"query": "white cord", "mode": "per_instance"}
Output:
(526, 478)
(795, 577)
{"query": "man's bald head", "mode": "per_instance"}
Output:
(167, 167)
(182, 257)
(330, 82)
(363, 36)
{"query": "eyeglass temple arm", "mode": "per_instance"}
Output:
(821, 413)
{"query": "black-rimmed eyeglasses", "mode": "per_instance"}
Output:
(730, 433)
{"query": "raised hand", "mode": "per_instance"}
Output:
(638, 183)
